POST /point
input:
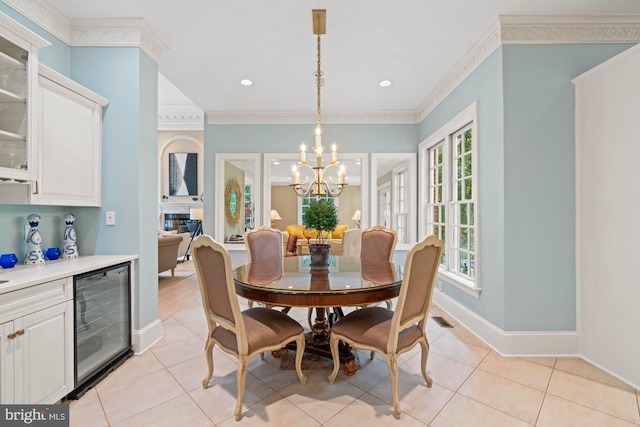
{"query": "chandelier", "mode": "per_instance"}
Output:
(318, 185)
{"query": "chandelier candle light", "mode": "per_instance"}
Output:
(318, 186)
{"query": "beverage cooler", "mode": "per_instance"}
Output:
(102, 324)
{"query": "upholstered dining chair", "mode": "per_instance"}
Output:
(240, 333)
(392, 333)
(264, 244)
(378, 242)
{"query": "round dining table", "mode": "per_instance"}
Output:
(347, 281)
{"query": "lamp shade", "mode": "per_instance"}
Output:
(356, 216)
(196, 213)
(275, 215)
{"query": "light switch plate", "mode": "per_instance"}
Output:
(111, 218)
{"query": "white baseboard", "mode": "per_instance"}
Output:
(143, 339)
(520, 343)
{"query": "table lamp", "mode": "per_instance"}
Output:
(275, 216)
(356, 218)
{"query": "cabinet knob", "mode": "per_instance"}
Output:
(12, 335)
(20, 332)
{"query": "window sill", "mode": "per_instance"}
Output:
(464, 285)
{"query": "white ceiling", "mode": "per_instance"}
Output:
(211, 45)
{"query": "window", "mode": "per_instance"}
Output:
(449, 179)
(304, 202)
(400, 204)
(384, 205)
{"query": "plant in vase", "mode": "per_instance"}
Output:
(321, 215)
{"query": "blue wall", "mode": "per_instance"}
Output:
(127, 77)
(527, 182)
(485, 86)
(539, 187)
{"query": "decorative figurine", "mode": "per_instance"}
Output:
(69, 248)
(34, 240)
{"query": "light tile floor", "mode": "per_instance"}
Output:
(473, 385)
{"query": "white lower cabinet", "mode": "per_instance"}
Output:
(36, 363)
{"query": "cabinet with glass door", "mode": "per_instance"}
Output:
(18, 74)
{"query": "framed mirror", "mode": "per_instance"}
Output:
(279, 196)
(393, 194)
(233, 202)
(237, 188)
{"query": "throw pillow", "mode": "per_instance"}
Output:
(296, 230)
(338, 232)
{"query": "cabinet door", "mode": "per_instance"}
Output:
(70, 147)
(18, 79)
(6, 364)
(44, 355)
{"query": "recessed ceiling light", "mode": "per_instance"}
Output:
(246, 82)
(385, 83)
(275, 162)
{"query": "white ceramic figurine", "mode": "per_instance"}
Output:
(69, 248)
(34, 241)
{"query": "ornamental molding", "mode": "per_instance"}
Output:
(180, 121)
(481, 49)
(307, 117)
(534, 29)
(506, 29)
(116, 32)
(90, 32)
(46, 15)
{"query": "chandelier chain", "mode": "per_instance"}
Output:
(318, 74)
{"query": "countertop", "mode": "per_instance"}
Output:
(22, 276)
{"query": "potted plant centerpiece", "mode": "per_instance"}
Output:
(321, 215)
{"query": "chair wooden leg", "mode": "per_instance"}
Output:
(299, 352)
(392, 362)
(173, 272)
(208, 355)
(333, 343)
(241, 378)
(423, 362)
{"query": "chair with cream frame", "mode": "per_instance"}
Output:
(240, 333)
(392, 333)
(378, 242)
(264, 244)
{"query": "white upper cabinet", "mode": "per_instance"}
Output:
(70, 133)
(18, 78)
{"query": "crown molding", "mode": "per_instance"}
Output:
(90, 32)
(46, 15)
(481, 49)
(534, 29)
(116, 32)
(527, 29)
(180, 121)
(306, 117)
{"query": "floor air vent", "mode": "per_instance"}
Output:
(442, 322)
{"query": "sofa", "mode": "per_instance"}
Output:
(168, 246)
(335, 239)
(184, 244)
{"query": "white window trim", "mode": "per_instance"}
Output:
(468, 115)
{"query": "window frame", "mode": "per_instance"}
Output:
(467, 118)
